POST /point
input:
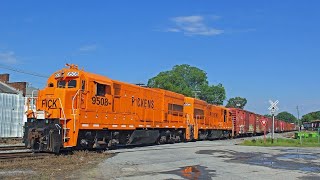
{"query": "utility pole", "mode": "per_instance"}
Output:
(299, 125)
(196, 93)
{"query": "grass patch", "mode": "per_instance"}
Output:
(306, 142)
(51, 167)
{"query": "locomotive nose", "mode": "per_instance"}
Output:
(48, 127)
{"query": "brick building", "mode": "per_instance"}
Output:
(21, 86)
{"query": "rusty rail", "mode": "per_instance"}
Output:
(25, 154)
(8, 148)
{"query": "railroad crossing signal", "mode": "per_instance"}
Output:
(273, 107)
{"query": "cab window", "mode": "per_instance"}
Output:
(103, 89)
(83, 85)
(61, 84)
(108, 89)
(72, 84)
(50, 84)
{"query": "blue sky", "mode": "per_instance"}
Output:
(260, 50)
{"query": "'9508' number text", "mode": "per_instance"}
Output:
(100, 101)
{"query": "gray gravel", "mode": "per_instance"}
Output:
(208, 160)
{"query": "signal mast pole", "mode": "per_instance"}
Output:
(299, 125)
(272, 128)
(273, 108)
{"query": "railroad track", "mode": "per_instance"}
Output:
(18, 151)
(8, 148)
(24, 154)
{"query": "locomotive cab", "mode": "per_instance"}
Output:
(68, 104)
(48, 126)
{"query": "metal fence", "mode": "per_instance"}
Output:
(12, 115)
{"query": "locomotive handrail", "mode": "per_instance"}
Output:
(33, 98)
(62, 109)
(65, 119)
(29, 110)
(30, 105)
(74, 115)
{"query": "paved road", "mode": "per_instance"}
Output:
(209, 160)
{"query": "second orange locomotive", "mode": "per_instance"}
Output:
(81, 110)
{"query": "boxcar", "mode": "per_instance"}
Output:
(240, 120)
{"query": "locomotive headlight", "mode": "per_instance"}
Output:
(40, 115)
(73, 74)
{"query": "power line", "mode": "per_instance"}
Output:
(23, 71)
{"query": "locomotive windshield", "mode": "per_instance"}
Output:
(72, 84)
(61, 84)
(67, 84)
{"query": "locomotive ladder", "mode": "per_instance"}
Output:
(65, 129)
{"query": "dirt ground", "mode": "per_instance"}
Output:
(51, 167)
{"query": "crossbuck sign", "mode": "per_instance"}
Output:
(273, 108)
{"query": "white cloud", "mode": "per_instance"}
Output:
(8, 57)
(188, 19)
(88, 48)
(194, 25)
(173, 30)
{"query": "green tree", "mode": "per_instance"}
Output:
(311, 116)
(213, 94)
(288, 117)
(188, 80)
(268, 115)
(236, 102)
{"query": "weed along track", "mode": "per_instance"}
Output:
(29, 165)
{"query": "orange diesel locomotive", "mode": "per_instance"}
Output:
(81, 110)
